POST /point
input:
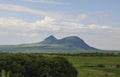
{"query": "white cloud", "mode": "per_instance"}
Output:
(94, 26)
(13, 24)
(47, 20)
(44, 1)
(82, 16)
(94, 34)
(76, 18)
(103, 15)
(46, 24)
(19, 8)
(11, 21)
(53, 14)
(3, 33)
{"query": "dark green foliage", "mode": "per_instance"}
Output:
(33, 65)
(118, 65)
(101, 65)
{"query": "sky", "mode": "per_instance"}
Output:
(97, 22)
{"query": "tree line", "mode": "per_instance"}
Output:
(33, 65)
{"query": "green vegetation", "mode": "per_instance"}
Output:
(60, 65)
(4, 73)
(96, 66)
(35, 65)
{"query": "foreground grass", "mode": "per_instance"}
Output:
(86, 66)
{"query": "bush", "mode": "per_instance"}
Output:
(23, 65)
(100, 65)
(118, 65)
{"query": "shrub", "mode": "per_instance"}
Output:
(118, 65)
(100, 65)
(22, 65)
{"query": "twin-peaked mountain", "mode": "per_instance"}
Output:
(71, 44)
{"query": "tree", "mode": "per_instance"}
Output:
(33, 65)
(4, 73)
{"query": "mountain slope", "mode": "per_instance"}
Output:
(71, 44)
(50, 40)
(75, 42)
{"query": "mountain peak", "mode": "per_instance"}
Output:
(70, 42)
(50, 40)
(72, 38)
(50, 37)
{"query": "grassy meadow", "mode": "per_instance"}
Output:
(96, 66)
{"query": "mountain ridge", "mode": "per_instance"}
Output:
(72, 42)
(50, 40)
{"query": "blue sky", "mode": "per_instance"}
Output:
(95, 21)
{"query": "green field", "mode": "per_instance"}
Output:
(94, 66)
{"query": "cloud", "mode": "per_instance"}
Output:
(45, 1)
(53, 14)
(96, 35)
(103, 15)
(46, 24)
(76, 18)
(47, 19)
(13, 25)
(11, 21)
(82, 16)
(19, 8)
(94, 26)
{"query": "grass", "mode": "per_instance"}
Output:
(87, 66)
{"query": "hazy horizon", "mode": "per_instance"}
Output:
(29, 21)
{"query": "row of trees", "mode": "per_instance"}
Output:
(90, 54)
(33, 65)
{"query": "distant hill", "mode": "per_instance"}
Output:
(50, 40)
(71, 44)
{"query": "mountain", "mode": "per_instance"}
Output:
(71, 44)
(50, 40)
